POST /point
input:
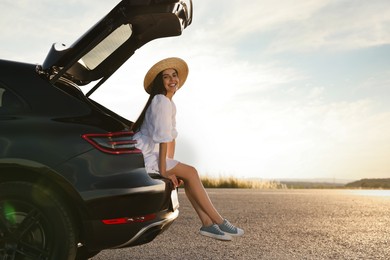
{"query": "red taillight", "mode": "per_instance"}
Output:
(118, 221)
(113, 143)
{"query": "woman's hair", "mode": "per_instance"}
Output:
(157, 88)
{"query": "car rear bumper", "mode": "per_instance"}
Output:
(127, 235)
(149, 232)
(129, 217)
(132, 202)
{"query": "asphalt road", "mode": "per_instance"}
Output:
(279, 224)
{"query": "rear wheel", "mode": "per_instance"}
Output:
(34, 224)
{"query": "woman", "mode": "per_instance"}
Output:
(156, 128)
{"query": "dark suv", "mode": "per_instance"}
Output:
(72, 182)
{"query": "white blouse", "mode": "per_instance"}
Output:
(159, 126)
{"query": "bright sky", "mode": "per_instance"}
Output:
(277, 89)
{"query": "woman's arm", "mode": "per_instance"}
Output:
(162, 164)
(171, 149)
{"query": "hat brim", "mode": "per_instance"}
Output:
(170, 63)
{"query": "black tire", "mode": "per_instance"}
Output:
(34, 224)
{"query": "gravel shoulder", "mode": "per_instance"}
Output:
(279, 224)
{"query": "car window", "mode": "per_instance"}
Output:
(106, 47)
(9, 102)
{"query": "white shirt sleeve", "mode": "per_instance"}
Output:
(162, 120)
(174, 130)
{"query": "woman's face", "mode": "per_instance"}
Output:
(170, 81)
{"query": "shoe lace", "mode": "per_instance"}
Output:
(229, 225)
(216, 229)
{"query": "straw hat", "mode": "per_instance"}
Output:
(170, 63)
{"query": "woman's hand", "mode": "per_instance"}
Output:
(173, 179)
(176, 182)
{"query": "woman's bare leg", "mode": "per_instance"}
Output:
(197, 194)
(204, 218)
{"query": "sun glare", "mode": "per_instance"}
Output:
(376, 193)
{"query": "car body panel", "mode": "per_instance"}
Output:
(44, 117)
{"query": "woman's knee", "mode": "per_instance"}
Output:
(192, 169)
(194, 172)
(185, 171)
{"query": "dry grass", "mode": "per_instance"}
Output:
(231, 182)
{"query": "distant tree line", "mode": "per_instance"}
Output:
(370, 184)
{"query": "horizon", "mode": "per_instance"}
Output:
(285, 89)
